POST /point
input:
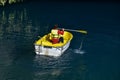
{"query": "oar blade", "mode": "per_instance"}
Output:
(82, 31)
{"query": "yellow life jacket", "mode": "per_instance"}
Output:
(54, 33)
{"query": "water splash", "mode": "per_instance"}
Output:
(79, 50)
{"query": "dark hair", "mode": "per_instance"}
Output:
(55, 26)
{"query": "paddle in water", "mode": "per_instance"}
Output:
(79, 51)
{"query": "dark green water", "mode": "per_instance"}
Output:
(20, 26)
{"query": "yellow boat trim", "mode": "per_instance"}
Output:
(45, 40)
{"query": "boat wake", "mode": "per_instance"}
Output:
(52, 67)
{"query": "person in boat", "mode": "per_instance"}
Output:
(57, 35)
(60, 33)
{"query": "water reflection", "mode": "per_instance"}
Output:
(15, 31)
(19, 23)
(52, 68)
(15, 22)
(17, 35)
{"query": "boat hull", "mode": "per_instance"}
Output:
(51, 51)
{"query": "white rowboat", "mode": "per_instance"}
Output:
(44, 46)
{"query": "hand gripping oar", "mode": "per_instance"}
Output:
(81, 31)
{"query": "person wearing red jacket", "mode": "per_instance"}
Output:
(61, 32)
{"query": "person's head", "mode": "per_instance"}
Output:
(55, 26)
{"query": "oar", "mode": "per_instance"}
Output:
(81, 31)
